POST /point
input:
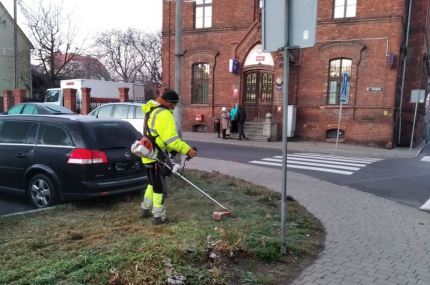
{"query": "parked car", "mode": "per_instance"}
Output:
(34, 108)
(54, 158)
(130, 112)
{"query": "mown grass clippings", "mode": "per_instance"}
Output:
(105, 242)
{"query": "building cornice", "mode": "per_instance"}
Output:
(357, 21)
(204, 31)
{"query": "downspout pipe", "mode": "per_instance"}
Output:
(177, 113)
(399, 135)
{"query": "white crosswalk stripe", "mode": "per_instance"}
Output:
(319, 162)
(425, 158)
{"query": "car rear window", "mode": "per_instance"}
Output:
(115, 134)
(120, 111)
(51, 135)
(14, 132)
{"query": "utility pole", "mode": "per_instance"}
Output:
(177, 113)
(285, 133)
(15, 44)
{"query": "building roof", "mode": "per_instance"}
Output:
(82, 66)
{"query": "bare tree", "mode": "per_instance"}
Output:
(131, 56)
(149, 48)
(53, 35)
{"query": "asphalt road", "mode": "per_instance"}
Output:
(12, 203)
(403, 180)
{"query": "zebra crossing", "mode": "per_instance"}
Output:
(319, 162)
(426, 158)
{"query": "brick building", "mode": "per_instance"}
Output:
(364, 38)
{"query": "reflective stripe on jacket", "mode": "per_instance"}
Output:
(161, 125)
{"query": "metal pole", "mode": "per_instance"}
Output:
(284, 135)
(338, 123)
(177, 113)
(15, 44)
(399, 135)
(413, 125)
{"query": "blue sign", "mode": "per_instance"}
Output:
(344, 89)
(233, 66)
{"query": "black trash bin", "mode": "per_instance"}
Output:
(217, 126)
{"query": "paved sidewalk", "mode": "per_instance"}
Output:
(320, 147)
(370, 240)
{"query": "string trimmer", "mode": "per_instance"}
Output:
(143, 148)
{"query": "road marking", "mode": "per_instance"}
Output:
(305, 162)
(303, 167)
(319, 162)
(425, 158)
(293, 158)
(426, 206)
(332, 158)
(369, 159)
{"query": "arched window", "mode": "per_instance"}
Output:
(332, 134)
(200, 83)
(337, 68)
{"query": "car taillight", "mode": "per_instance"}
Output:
(87, 156)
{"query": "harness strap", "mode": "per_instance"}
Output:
(147, 131)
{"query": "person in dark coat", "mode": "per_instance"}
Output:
(241, 118)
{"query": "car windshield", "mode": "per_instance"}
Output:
(52, 95)
(55, 109)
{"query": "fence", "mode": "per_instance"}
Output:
(96, 102)
(138, 100)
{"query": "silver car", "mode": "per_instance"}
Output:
(130, 112)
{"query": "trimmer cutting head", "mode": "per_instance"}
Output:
(219, 215)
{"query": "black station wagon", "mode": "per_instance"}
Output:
(58, 157)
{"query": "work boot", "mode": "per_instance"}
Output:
(145, 213)
(160, 221)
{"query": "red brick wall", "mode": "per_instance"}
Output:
(378, 30)
(416, 72)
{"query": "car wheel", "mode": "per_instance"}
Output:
(41, 191)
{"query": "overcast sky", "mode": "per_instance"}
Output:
(92, 16)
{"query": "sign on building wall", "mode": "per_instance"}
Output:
(233, 66)
(301, 19)
(417, 95)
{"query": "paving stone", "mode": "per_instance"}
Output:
(369, 239)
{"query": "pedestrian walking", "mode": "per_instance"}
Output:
(225, 118)
(160, 129)
(241, 118)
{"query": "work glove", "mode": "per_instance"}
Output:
(175, 168)
(192, 152)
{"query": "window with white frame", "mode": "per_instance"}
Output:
(337, 68)
(344, 9)
(203, 14)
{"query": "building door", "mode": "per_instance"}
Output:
(258, 94)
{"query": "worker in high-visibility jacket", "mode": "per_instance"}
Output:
(160, 128)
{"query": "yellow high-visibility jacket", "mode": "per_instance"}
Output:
(161, 125)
